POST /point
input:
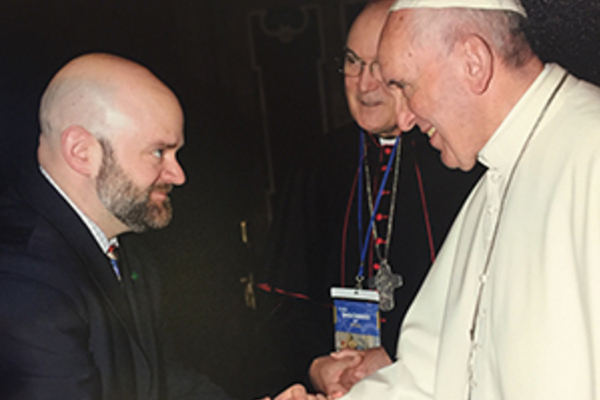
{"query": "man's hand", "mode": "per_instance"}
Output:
(335, 374)
(326, 371)
(297, 392)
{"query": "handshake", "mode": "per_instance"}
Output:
(333, 375)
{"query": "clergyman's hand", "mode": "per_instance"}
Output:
(336, 373)
(372, 360)
(326, 372)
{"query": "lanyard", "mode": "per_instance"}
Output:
(364, 244)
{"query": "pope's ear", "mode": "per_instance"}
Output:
(479, 63)
(79, 148)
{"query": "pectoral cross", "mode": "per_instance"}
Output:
(386, 282)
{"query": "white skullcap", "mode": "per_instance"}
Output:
(502, 5)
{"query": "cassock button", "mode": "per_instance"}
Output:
(380, 217)
(483, 278)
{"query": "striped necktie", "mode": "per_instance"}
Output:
(113, 256)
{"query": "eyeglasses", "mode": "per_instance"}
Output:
(352, 65)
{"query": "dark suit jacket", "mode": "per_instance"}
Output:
(68, 329)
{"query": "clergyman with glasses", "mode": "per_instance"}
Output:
(367, 199)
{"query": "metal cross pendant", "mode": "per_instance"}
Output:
(386, 281)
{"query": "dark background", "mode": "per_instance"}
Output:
(255, 79)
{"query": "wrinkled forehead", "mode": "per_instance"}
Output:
(396, 45)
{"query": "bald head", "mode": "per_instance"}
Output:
(97, 92)
(370, 21)
(110, 131)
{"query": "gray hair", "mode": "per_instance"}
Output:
(502, 30)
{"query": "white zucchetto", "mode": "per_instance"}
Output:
(504, 5)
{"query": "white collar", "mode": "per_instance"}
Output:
(94, 229)
(502, 148)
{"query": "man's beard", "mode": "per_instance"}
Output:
(130, 204)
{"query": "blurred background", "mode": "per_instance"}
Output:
(257, 79)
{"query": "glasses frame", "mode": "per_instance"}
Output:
(342, 62)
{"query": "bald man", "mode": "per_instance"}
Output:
(79, 320)
(318, 244)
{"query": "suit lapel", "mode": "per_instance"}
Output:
(139, 278)
(94, 264)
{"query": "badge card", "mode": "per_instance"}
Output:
(356, 318)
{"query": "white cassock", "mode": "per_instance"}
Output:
(527, 327)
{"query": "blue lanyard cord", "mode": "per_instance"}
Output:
(364, 245)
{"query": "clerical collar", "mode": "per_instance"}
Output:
(387, 141)
(94, 229)
(503, 146)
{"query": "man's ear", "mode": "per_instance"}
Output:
(79, 149)
(479, 63)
